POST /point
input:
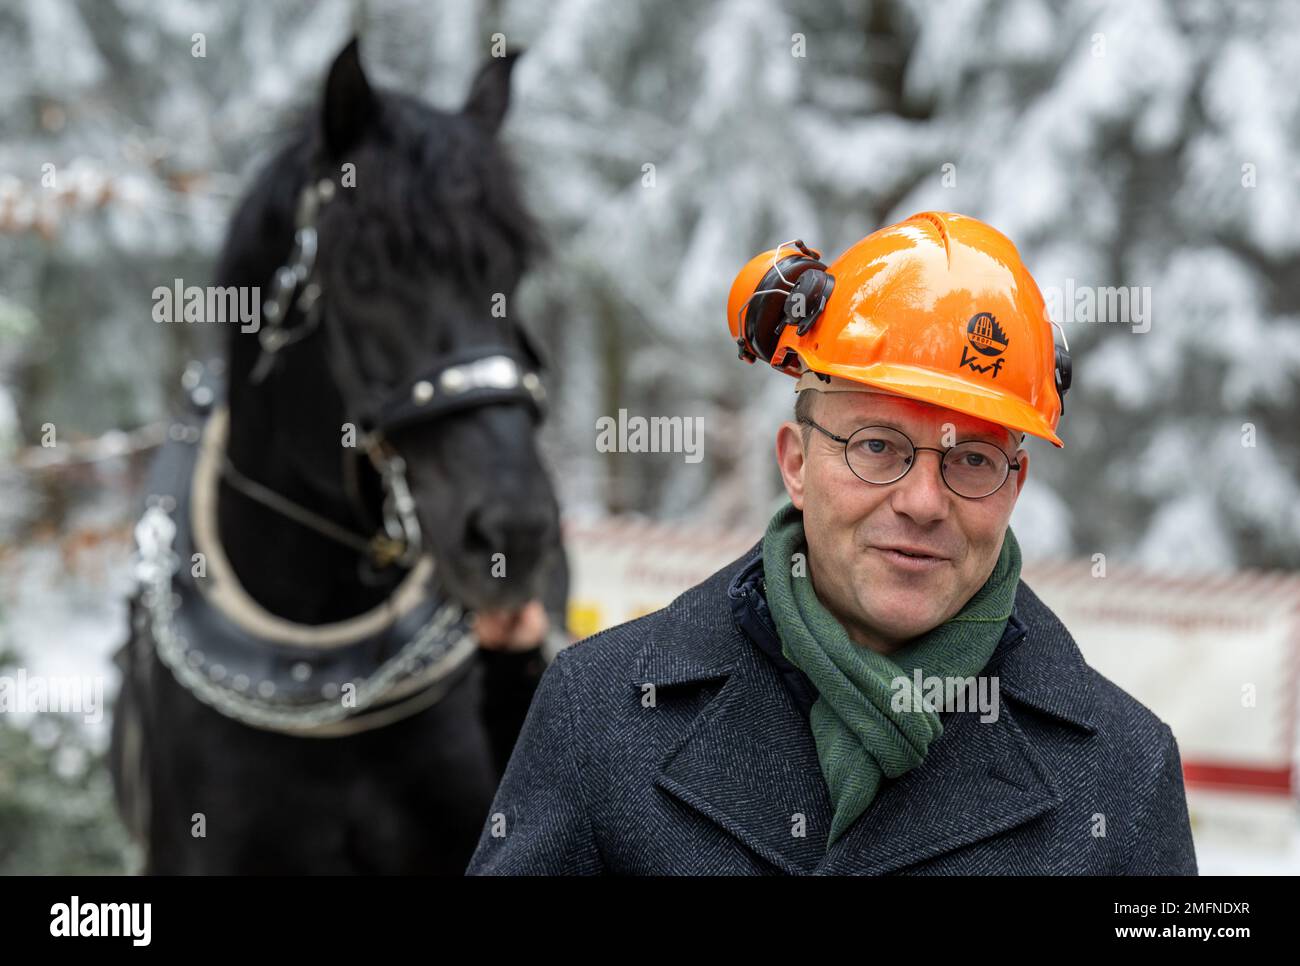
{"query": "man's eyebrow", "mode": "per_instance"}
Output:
(992, 436)
(982, 435)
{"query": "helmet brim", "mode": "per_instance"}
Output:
(949, 392)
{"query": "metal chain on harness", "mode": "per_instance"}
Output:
(156, 564)
(297, 274)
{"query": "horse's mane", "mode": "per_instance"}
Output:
(437, 185)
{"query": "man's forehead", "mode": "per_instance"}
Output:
(910, 413)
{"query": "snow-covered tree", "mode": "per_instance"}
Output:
(1134, 144)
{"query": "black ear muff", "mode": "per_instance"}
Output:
(808, 298)
(768, 313)
(1064, 373)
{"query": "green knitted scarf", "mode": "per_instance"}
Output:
(860, 736)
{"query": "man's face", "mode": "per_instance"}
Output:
(854, 529)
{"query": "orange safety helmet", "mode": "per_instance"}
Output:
(938, 307)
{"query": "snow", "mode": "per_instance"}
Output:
(1106, 138)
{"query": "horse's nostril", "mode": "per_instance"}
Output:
(507, 530)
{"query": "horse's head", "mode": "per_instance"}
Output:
(422, 240)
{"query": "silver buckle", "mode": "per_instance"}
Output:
(401, 523)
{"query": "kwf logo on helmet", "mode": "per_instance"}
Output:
(987, 338)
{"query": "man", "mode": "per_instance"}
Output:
(784, 715)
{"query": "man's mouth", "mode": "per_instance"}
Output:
(911, 559)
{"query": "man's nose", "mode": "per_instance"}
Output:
(921, 494)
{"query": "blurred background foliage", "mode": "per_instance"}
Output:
(1129, 143)
(56, 809)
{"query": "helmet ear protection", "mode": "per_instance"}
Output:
(1064, 368)
(1064, 373)
(792, 292)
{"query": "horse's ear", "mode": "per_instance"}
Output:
(489, 95)
(349, 102)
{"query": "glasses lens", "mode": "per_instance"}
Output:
(975, 469)
(878, 454)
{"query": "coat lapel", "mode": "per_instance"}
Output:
(977, 781)
(748, 761)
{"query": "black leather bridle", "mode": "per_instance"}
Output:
(445, 384)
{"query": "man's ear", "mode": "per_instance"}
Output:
(1022, 474)
(791, 460)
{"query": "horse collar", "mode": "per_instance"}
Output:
(256, 667)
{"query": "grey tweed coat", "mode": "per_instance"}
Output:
(679, 743)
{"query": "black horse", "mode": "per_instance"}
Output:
(303, 690)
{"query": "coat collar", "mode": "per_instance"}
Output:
(748, 762)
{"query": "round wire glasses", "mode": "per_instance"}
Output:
(881, 455)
